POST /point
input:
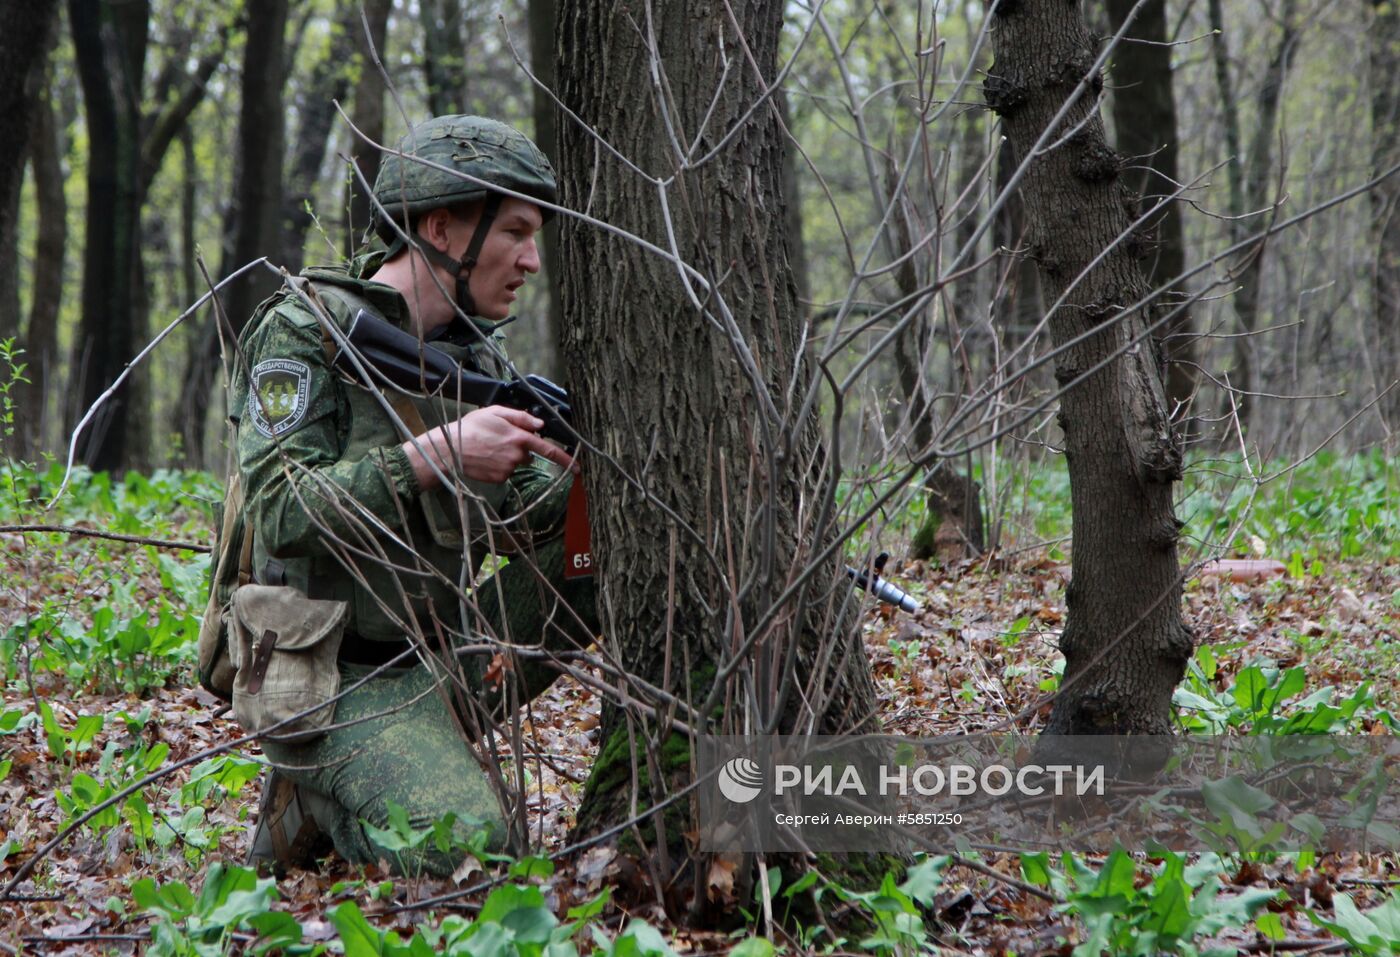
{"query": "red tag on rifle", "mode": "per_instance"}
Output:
(578, 549)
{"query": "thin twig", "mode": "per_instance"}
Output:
(113, 536)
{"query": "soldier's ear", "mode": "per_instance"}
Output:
(433, 227)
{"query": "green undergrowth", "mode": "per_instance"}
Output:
(1330, 506)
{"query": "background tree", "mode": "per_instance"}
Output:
(1145, 130)
(544, 57)
(1251, 183)
(709, 450)
(126, 149)
(24, 46)
(1385, 123)
(367, 116)
(1125, 643)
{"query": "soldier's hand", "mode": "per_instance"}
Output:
(486, 445)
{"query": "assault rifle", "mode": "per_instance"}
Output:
(419, 367)
(402, 360)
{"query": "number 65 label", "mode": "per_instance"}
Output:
(578, 549)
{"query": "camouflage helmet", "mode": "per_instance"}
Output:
(484, 148)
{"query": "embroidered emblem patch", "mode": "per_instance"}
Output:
(278, 400)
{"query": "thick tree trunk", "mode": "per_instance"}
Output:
(1125, 643)
(543, 15)
(688, 392)
(24, 47)
(109, 58)
(1385, 123)
(367, 114)
(50, 249)
(1144, 121)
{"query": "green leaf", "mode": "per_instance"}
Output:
(1270, 925)
(532, 925)
(532, 868)
(1036, 868)
(753, 947)
(802, 884)
(275, 930)
(647, 939)
(924, 879)
(1116, 877)
(1235, 800)
(1169, 910)
(505, 899)
(9, 720)
(490, 940)
(356, 934)
(599, 904)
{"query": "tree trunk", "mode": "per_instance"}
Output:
(792, 193)
(327, 85)
(1250, 186)
(1125, 643)
(24, 47)
(444, 56)
(255, 217)
(1144, 121)
(368, 115)
(1385, 123)
(110, 59)
(50, 248)
(690, 392)
(543, 15)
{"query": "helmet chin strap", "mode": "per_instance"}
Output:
(462, 268)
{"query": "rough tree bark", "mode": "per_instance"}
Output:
(1385, 125)
(709, 390)
(543, 15)
(1125, 643)
(24, 48)
(1144, 122)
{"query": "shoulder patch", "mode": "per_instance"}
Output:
(278, 399)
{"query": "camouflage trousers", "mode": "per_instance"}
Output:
(396, 737)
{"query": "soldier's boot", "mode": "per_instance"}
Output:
(288, 833)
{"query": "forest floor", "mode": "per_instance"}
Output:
(98, 694)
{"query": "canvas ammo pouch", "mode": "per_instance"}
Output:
(284, 647)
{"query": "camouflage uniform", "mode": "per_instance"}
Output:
(337, 513)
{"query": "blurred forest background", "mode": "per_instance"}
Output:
(156, 146)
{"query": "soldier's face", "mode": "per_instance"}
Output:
(508, 255)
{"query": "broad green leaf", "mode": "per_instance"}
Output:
(505, 899)
(1270, 925)
(597, 905)
(1036, 868)
(753, 947)
(528, 868)
(356, 934)
(490, 940)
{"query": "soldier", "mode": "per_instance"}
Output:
(377, 505)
